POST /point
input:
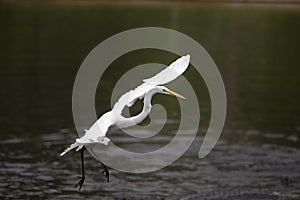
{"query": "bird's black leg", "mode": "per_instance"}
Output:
(105, 172)
(81, 181)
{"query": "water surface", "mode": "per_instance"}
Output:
(255, 49)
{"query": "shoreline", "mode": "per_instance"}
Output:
(289, 4)
(281, 2)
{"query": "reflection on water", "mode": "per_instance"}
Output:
(256, 50)
(32, 168)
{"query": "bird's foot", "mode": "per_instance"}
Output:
(105, 172)
(80, 182)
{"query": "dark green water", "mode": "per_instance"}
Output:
(255, 48)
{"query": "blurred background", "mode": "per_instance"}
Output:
(255, 46)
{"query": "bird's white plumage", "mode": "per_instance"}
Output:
(167, 75)
(138, 93)
(97, 133)
(171, 72)
(128, 99)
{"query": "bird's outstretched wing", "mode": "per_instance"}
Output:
(167, 75)
(96, 134)
(98, 130)
(171, 72)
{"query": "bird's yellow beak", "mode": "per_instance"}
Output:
(175, 94)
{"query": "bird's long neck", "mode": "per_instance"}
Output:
(146, 108)
(145, 112)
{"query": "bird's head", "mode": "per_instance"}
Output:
(165, 90)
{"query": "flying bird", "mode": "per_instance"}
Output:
(97, 132)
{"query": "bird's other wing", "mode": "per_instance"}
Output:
(171, 72)
(97, 133)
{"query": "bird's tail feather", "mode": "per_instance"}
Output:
(72, 146)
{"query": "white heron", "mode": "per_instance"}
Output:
(151, 86)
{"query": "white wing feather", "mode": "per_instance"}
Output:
(98, 130)
(165, 76)
(96, 134)
(171, 72)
